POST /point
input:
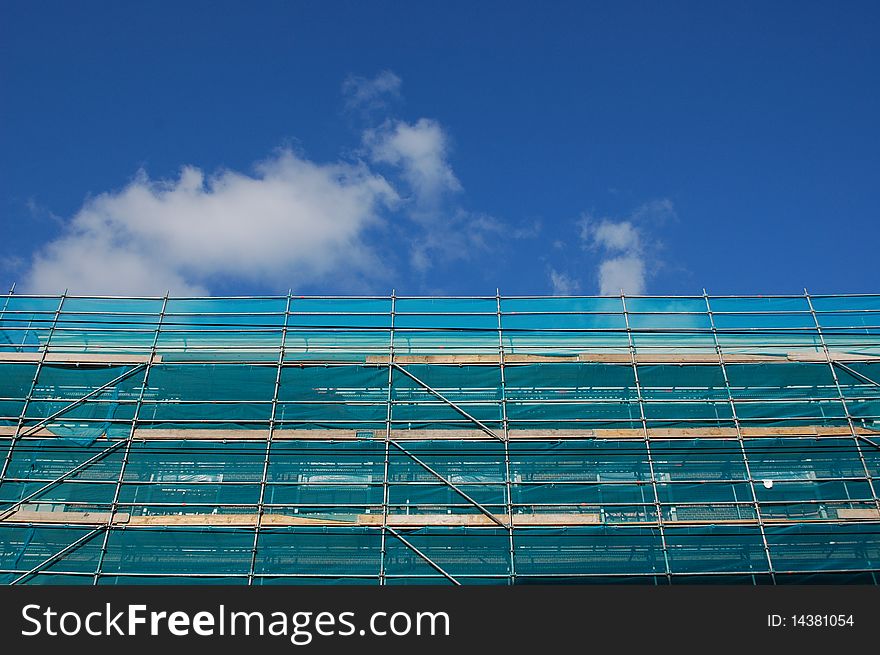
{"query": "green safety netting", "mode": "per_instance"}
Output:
(534, 396)
(329, 409)
(436, 325)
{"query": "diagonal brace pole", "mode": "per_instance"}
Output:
(61, 553)
(427, 559)
(855, 374)
(449, 484)
(867, 441)
(446, 400)
(79, 467)
(863, 378)
(80, 401)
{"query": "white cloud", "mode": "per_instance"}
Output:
(620, 243)
(612, 236)
(370, 93)
(625, 273)
(563, 285)
(459, 235)
(292, 222)
(654, 211)
(419, 151)
(627, 250)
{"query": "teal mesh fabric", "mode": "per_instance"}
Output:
(276, 440)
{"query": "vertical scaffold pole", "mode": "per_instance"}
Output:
(114, 506)
(385, 496)
(506, 432)
(273, 417)
(849, 419)
(647, 439)
(739, 437)
(27, 401)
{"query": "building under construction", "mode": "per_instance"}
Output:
(412, 440)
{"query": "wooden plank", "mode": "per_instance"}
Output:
(95, 358)
(774, 521)
(861, 513)
(88, 518)
(13, 357)
(623, 358)
(78, 358)
(476, 520)
(201, 434)
(9, 431)
(374, 520)
(231, 520)
(801, 430)
(197, 434)
(469, 434)
(836, 356)
(444, 358)
(250, 520)
(393, 520)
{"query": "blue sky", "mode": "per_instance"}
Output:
(439, 148)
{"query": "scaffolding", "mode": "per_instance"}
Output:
(414, 440)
